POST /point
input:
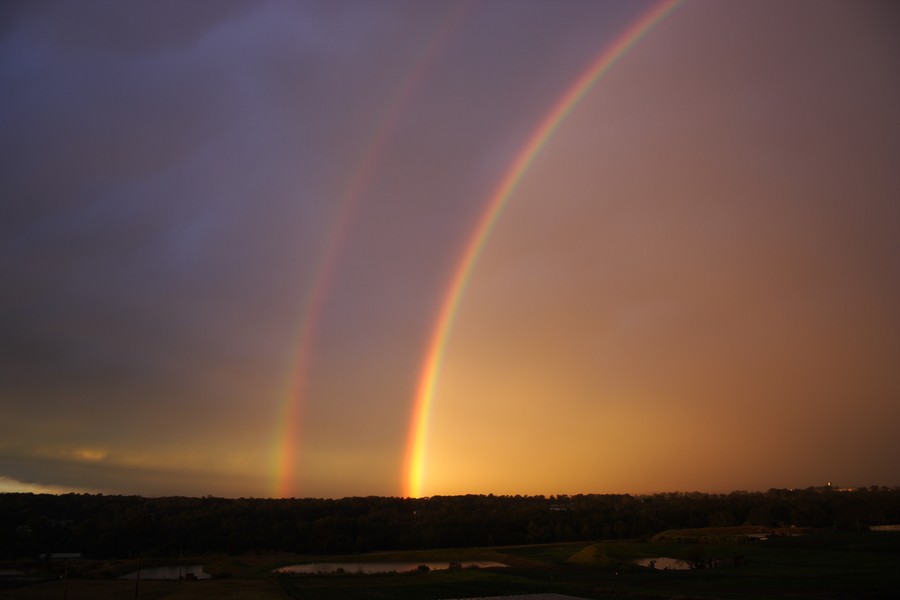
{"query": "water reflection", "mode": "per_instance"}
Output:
(385, 567)
(170, 572)
(664, 563)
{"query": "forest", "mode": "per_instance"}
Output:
(101, 526)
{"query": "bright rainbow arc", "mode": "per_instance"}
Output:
(415, 452)
(288, 444)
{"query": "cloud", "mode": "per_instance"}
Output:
(8, 485)
(173, 176)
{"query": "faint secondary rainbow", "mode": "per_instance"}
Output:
(414, 468)
(290, 429)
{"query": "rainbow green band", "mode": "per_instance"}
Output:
(290, 415)
(414, 469)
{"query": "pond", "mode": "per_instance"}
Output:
(384, 567)
(170, 572)
(664, 563)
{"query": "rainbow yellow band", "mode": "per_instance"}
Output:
(414, 469)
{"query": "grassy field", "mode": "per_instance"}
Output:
(823, 565)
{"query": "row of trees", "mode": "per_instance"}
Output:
(123, 526)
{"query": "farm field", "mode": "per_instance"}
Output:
(815, 565)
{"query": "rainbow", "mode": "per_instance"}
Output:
(288, 440)
(414, 468)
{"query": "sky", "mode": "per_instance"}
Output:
(233, 232)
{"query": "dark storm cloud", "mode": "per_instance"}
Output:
(116, 27)
(140, 172)
(170, 175)
(103, 477)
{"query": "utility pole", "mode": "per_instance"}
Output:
(137, 579)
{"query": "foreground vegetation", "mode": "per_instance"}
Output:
(815, 565)
(127, 526)
(819, 545)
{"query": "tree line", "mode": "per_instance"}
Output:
(100, 526)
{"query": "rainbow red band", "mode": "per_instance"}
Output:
(414, 468)
(290, 417)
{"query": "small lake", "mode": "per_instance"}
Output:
(384, 567)
(11, 573)
(171, 572)
(664, 563)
